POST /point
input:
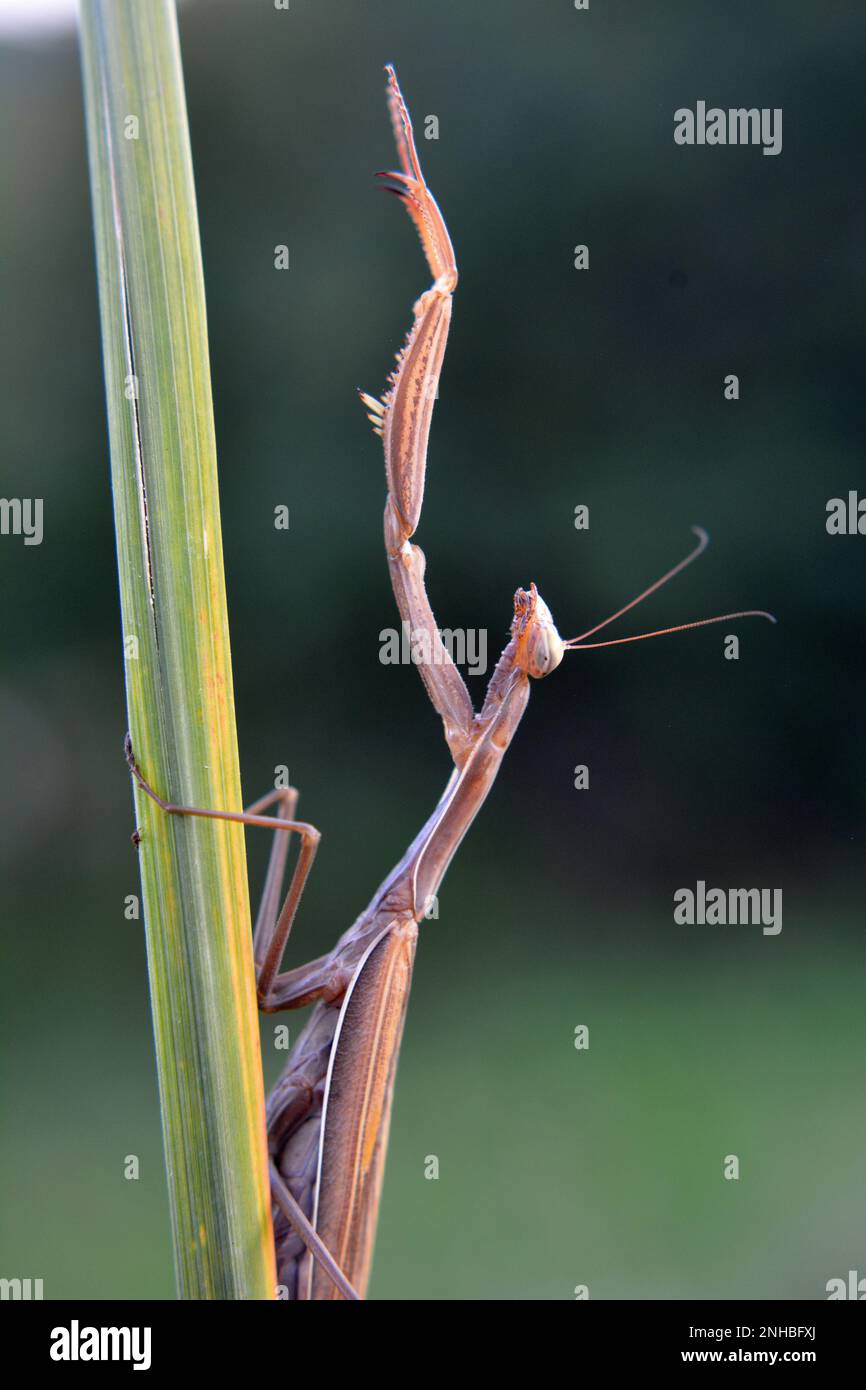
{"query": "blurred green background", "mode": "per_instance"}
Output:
(557, 1167)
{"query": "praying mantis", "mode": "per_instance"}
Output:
(328, 1115)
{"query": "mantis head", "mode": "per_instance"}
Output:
(540, 648)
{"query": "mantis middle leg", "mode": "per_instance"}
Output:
(321, 978)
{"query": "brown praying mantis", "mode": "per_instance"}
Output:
(328, 1115)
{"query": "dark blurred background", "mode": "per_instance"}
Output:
(560, 387)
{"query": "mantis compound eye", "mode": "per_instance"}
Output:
(546, 652)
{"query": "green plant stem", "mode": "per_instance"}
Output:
(176, 647)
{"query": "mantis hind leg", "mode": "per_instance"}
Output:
(301, 1223)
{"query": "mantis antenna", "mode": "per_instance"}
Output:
(580, 643)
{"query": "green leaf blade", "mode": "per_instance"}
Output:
(178, 664)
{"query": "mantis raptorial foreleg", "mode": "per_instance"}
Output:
(402, 418)
(442, 680)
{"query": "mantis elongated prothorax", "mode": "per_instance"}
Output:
(328, 1115)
